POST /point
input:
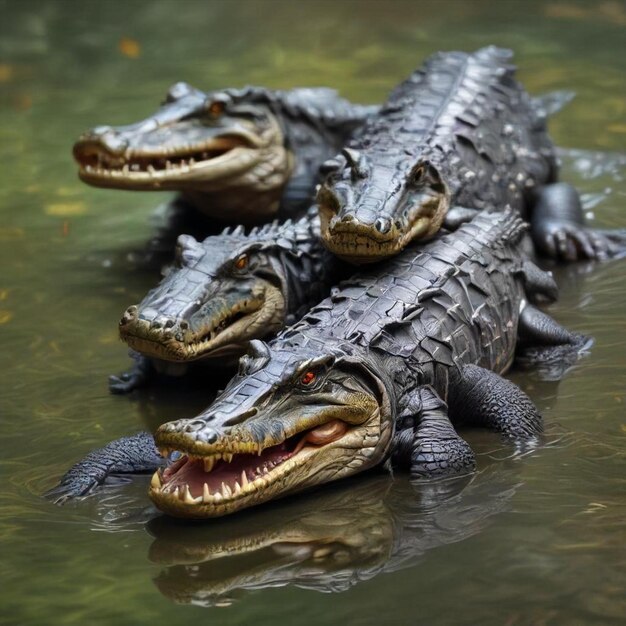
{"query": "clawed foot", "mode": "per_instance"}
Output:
(572, 242)
(124, 383)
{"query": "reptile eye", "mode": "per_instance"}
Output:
(242, 262)
(308, 378)
(216, 108)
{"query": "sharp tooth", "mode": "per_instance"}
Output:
(155, 482)
(226, 490)
(244, 478)
(126, 169)
(151, 169)
(168, 165)
(209, 462)
(258, 470)
(265, 470)
(229, 457)
(237, 488)
(192, 161)
(176, 493)
(217, 497)
(206, 494)
(188, 498)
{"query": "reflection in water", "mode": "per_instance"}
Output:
(327, 541)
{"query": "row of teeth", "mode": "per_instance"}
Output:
(127, 168)
(234, 447)
(240, 488)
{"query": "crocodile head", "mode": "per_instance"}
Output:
(220, 294)
(294, 417)
(196, 142)
(370, 211)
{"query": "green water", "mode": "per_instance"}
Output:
(535, 539)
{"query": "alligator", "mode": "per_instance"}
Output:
(329, 541)
(363, 378)
(224, 291)
(458, 136)
(236, 155)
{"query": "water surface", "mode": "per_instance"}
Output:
(537, 539)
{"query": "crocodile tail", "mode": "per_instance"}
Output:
(550, 103)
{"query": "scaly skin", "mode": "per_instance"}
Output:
(365, 375)
(460, 135)
(236, 155)
(227, 290)
(363, 378)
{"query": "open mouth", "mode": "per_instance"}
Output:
(95, 161)
(241, 474)
(173, 345)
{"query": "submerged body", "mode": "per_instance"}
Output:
(235, 155)
(366, 375)
(224, 291)
(460, 135)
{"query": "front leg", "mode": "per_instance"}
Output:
(428, 446)
(558, 228)
(128, 455)
(138, 376)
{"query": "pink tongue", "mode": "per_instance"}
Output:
(326, 433)
(192, 472)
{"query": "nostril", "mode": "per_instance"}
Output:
(169, 324)
(382, 225)
(156, 325)
(184, 325)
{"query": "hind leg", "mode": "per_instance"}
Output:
(546, 346)
(558, 228)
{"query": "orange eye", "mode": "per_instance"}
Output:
(242, 262)
(308, 378)
(216, 108)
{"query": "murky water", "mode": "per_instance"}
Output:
(532, 540)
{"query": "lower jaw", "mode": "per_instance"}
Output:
(186, 354)
(218, 503)
(193, 177)
(368, 253)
